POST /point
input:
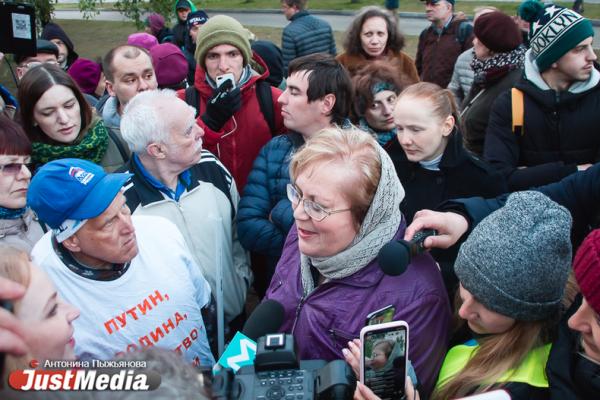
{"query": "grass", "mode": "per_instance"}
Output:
(93, 39)
(591, 10)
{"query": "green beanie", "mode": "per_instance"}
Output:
(554, 31)
(219, 30)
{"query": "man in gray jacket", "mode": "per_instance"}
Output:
(305, 34)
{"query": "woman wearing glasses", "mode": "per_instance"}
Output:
(61, 124)
(346, 198)
(18, 224)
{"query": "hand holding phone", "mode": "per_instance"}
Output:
(384, 357)
(225, 102)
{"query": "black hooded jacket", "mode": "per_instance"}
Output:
(559, 133)
(54, 31)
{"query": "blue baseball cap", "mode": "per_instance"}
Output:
(71, 188)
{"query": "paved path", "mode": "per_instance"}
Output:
(411, 24)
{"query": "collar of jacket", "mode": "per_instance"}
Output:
(449, 28)
(299, 14)
(533, 84)
(18, 225)
(454, 154)
(146, 192)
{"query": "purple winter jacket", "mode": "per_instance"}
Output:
(335, 312)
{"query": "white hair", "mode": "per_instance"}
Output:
(142, 122)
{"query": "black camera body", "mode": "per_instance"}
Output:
(278, 375)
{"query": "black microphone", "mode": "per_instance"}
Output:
(266, 318)
(395, 256)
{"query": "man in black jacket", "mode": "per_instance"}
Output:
(560, 95)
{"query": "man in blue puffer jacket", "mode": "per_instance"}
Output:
(318, 95)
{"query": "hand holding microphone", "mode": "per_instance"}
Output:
(450, 227)
(395, 256)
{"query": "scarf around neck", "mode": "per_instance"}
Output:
(382, 137)
(489, 71)
(378, 228)
(91, 147)
(11, 213)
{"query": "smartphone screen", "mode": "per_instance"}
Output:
(386, 314)
(384, 353)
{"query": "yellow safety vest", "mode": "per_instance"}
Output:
(532, 370)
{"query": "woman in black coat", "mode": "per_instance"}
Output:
(430, 159)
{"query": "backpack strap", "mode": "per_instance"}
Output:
(265, 102)
(518, 111)
(120, 147)
(192, 98)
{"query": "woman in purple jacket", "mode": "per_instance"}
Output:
(346, 198)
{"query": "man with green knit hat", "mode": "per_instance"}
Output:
(236, 107)
(540, 131)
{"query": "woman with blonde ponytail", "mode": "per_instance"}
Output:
(513, 269)
(431, 162)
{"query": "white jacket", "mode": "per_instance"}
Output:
(205, 215)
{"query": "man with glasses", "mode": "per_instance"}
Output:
(174, 178)
(441, 43)
(47, 53)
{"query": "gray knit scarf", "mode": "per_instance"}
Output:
(378, 228)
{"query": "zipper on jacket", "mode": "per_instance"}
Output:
(298, 309)
(335, 332)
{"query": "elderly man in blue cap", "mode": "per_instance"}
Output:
(133, 278)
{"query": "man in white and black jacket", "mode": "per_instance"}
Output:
(174, 178)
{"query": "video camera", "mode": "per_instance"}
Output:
(277, 374)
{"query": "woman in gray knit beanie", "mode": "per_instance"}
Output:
(512, 270)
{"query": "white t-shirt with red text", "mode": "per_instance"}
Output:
(156, 302)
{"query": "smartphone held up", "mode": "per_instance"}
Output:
(384, 358)
(226, 79)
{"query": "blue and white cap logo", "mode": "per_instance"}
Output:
(81, 175)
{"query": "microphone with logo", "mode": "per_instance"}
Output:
(260, 364)
(395, 256)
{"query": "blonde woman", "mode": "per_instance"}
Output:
(512, 270)
(346, 196)
(45, 319)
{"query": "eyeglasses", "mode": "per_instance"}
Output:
(312, 209)
(13, 168)
(33, 64)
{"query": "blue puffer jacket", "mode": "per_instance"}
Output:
(265, 214)
(306, 34)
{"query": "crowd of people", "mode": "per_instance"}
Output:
(147, 199)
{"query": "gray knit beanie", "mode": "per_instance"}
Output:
(516, 261)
